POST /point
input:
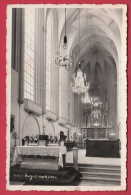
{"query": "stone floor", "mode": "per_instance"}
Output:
(82, 159)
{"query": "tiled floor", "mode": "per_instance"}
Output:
(91, 160)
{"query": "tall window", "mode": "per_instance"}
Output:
(14, 39)
(49, 44)
(29, 53)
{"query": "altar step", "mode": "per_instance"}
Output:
(99, 174)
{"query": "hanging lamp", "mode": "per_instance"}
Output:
(64, 60)
(65, 36)
(79, 84)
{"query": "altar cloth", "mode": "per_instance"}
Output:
(52, 151)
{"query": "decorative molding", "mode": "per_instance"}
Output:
(69, 125)
(32, 107)
(62, 121)
(51, 115)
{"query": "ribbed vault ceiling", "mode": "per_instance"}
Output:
(97, 26)
(100, 48)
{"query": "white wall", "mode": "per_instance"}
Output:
(23, 121)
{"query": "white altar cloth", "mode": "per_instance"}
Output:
(56, 151)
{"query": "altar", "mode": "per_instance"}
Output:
(42, 165)
(103, 148)
(40, 152)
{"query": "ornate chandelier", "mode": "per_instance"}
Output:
(79, 84)
(85, 99)
(64, 60)
(96, 102)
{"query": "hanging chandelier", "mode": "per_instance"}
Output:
(85, 99)
(64, 60)
(96, 102)
(79, 84)
(65, 36)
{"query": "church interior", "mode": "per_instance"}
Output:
(65, 66)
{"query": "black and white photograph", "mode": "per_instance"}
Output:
(66, 97)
